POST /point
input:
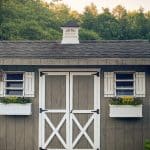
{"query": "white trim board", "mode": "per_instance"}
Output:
(69, 115)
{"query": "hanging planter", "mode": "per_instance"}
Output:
(125, 107)
(15, 106)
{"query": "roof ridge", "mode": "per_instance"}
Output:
(29, 41)
(81, 41)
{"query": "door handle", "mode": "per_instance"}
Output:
(95, 111)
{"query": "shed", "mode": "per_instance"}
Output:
(70, 85)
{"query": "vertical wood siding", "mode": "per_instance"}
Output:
(21, 132)
(125, 133)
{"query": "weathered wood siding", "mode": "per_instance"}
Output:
(21, 133)
(123, 133)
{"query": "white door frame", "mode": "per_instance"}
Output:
(69, 105)
(96, 116)
(42, 116)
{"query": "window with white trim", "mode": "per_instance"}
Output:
(124, 85)
(14, 84)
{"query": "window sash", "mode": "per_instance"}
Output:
(9, 89)
(124, 88)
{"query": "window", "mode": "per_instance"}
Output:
(14, 83)
(124, 84)
(70, 32)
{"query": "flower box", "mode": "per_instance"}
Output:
(125, 110)
(15, 109)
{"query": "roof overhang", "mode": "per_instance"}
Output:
(79, 61)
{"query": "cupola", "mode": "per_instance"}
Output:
(70, 33)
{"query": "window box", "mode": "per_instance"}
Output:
(125, 110)
(125, 107)
(15, 109)
(15, 106)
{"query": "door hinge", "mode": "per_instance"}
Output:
(41, 74)
(97, 74)
(40, 148)
(95, 111)
(42, 110)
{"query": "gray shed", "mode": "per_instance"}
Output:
(70, 84)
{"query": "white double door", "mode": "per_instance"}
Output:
(69, 111)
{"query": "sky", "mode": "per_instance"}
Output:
(128, 4)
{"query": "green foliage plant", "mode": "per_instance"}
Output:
(125, 100)
(88, 35)
(147, 145)
(40, 20)
(18, 100)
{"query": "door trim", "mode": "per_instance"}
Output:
(68, 96)
(96, 105)
(42, 105)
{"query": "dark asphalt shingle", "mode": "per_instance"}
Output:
(86, 49)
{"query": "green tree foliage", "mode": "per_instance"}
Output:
(38, 20)
(88, 35)
(107, 26)
(89, 17)
(29, 20)
(147, 145)
(120, 14)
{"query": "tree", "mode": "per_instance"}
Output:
(121, 15)
(88, 35)
(37, 20)
(106, 26)
(89, 17)
(74, 15)
(138, 24)
(119, 12)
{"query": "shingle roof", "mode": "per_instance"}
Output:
(71, 24)
(86, 49)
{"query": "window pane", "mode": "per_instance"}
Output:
(14, 92)
(124, 84)
(120, 76)
(14, 84)
(17, 76)
(124, 92)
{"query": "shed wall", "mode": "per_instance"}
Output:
(21, 132)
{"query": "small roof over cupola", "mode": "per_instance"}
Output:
(71, 24)
(70, 33)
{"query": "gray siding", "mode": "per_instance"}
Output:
(21, 132)
(125, 133)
